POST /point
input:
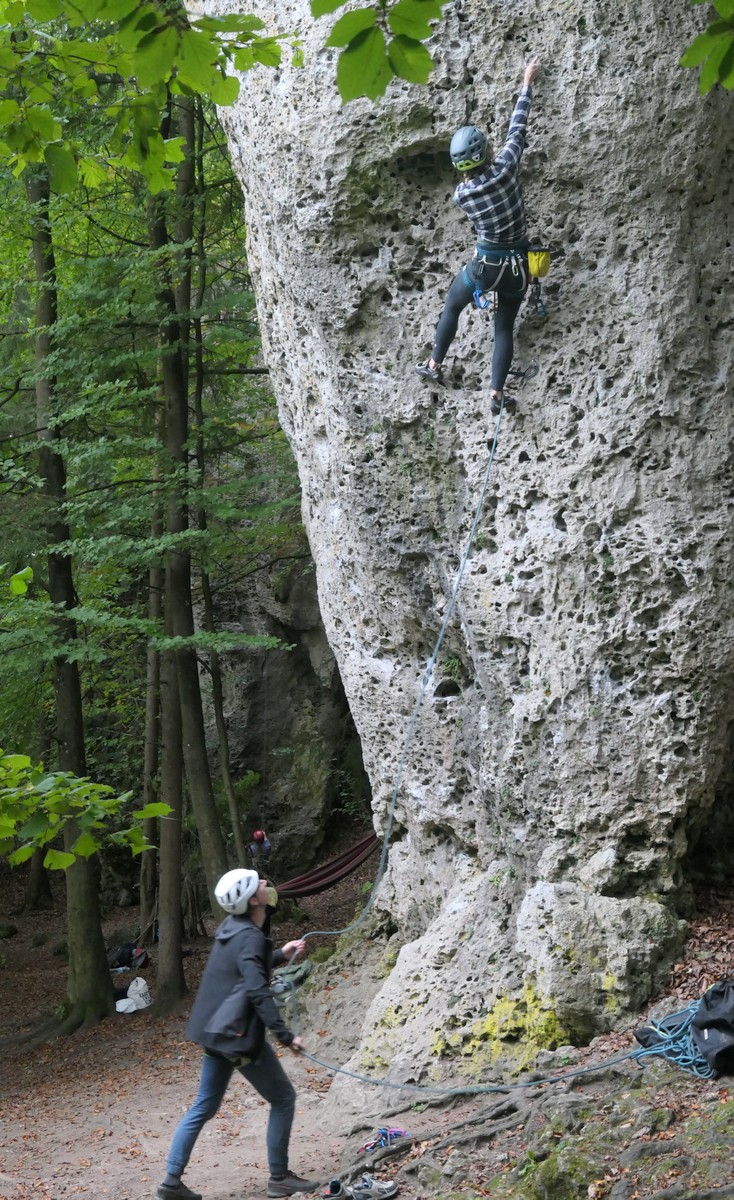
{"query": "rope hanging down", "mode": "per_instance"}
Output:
(421, 696)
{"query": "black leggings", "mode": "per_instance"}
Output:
(510, 295)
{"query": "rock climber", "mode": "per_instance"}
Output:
(491, 196)
(232, 1009)
(260, 848)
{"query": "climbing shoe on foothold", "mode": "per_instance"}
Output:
(495, 406)
(435, 374)
(290, 1185)
(177, 1192)
(373, 1189)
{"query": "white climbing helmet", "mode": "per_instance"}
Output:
(236, 889)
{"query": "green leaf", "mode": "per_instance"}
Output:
(16, 762)
(44, 10)
(35, 827)
(710, 69)
(20, 580)
(85, 845)
(174, 150)
(44, 124)
(411, 18)
(197, 60)
(58, 860)
(154, 56)
(726, 69)
(704, 44)
(156, 809)
(49, 783)
(725, 8)
(363, 68)
(9, 110)
(93, 174)
(267, 51)
(410, 59)
(21, 855)
(352, 23)
(108, 10)
(62, 168)
(225, 91)
(320, 7)
(243, 23)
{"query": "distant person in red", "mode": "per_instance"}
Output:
(260, 848)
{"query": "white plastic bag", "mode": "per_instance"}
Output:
(137, 997)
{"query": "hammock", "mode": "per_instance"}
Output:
(330, 872)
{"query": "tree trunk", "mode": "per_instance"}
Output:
(90, 987)
(38, 889)
(198, 398)
(179, 606)
(171, 985)
(149, 858)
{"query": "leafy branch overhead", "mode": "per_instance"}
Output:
(35, 805)
(125, 58)
(380, 42)
(713, 50)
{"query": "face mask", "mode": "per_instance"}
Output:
(271, 897)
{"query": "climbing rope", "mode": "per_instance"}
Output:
(421, 696)
(676, 1046)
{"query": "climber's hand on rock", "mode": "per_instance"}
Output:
(532, 71)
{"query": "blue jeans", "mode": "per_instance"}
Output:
(268, 1078)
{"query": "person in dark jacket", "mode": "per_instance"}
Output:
(490, 195)
(260, 849)
(232, 1009)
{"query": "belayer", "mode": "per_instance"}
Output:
(491, 196)
(232, 1009)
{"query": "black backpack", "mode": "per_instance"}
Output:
(127, 955)
(712, 1028)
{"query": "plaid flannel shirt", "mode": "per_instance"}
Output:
(493, 199)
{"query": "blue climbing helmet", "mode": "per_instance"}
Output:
(468, 148)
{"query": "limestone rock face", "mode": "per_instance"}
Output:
(577, 730)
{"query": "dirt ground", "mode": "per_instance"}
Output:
(93, 1115)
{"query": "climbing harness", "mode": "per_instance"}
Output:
(511, 260)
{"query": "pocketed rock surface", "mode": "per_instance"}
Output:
(569, 770)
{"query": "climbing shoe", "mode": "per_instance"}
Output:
(434, 374)
(496, 404)
(373, 1189)
(290, 1185)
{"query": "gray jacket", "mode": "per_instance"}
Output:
(234, 1005)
